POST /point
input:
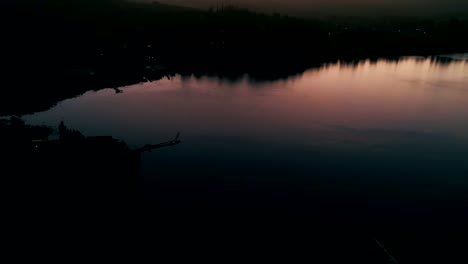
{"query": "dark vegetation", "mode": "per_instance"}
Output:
(61, 191)
(81, 170)
(78, 169)
(52, 50)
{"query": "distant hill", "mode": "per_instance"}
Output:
(308, 8)
(77, 27)
(162, 7)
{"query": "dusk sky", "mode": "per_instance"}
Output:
(304, 7)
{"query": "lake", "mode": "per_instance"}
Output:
(383, 140)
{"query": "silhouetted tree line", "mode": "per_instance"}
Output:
(73, 182)
(75, 32)
(57, 49)
(71, 173)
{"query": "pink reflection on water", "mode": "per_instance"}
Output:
(412, 94)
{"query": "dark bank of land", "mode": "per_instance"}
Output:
(54, 50)
(69, 170)
(56, 179)
(71, 165)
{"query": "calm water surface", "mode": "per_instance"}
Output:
(389, 133)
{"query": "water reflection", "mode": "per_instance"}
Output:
(414, 63)
(402, 117)
(412, 94)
